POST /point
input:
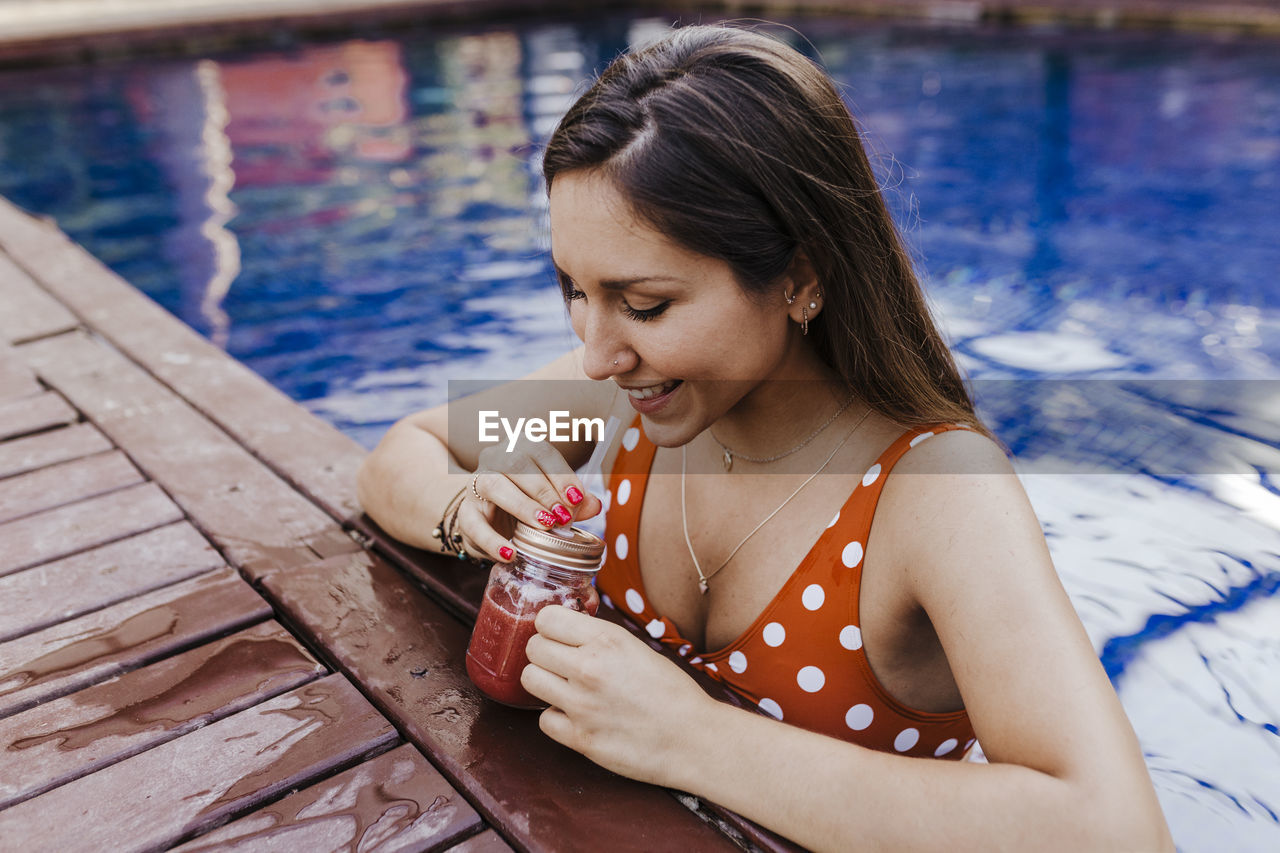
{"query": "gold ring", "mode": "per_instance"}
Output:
(473, 488)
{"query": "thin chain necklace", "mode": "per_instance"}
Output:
(729, 452)
(704, 580)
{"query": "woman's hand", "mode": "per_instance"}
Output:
(531, 483)
(613, 699)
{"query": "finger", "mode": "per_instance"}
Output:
(566, 626)
(545, 476)
(551, 655)
(479, 538)
(556, 725)
(501, 489)
(544, 684)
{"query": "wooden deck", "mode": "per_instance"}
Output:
(202, 642)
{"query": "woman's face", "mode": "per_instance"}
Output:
(688, 342)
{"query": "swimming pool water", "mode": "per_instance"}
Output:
(360, 221)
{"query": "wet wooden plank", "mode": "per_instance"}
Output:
(20, 455)
(72, 655)
(288, 437)
(396, 801)
(33, 414)
(259, 521)
(38, 597)
(57, 532)
(65, 483)
(521, 781)
(206, 777)
(29, 310)
(62, 740)
(486, 842)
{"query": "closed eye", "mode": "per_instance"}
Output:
(571, 294)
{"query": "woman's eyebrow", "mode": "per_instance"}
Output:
(621, 283)
(624, 283)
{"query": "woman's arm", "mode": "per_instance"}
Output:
(1066, 772)
(409, 478)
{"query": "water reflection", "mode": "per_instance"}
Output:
(1096, 208)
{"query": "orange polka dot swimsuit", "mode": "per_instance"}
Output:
(802, 659)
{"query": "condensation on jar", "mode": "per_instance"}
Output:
(555, 566)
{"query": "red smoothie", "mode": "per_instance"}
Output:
(496, 656)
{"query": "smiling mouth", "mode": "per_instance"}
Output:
(650, 391)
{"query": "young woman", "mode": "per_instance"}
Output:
(863, 564)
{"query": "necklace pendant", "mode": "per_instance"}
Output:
(728, 460)
(702, 585)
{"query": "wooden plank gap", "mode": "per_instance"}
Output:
(395, 801)
(39, 597)
(22, 455)
(66, 482)
(34, 415)
(83, 525)
(67, 738)
(73, 655)
(203, 779)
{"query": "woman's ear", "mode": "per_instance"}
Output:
(802, 286)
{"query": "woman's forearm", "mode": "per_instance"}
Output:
(826, 794)
(404, 484)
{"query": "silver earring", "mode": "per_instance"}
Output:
(615, 362)
(804, 324)
(790, 297)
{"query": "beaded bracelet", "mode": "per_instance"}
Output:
(450, 539)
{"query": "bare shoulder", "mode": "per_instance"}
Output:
(952, 493)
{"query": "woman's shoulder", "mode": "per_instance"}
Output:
(956, 487)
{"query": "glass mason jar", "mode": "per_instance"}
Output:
(555, 566)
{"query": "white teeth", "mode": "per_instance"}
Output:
(652, 390)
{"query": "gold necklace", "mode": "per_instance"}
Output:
(704, 580)
(729, 452)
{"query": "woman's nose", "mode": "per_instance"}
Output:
(606, 351)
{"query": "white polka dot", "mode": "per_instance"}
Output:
(946, 746)
(606, 600)
(851, 637)
(774, 634)
(810, 679)
(969, 742)
(859, 717)
(655, 628)
(813, 596)
(624, 492)
(738, 662)
(712, 667)
(834, 519)
(906, 739)
(852, 554)
(608, 499)
(634, 602)
(872, 474)
(685, 649)
(695, 660)
(621, 546)
(919, 438)
(771, 708)
(631, 438)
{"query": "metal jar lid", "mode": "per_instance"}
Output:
(572, 548)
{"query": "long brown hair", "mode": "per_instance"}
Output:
(738, 147)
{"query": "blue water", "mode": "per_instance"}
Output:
(1096, 215)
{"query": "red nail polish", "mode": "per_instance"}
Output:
(574, 494)
(506, 553)
(545, 518)
(562, 513)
